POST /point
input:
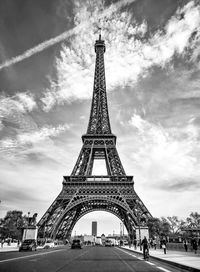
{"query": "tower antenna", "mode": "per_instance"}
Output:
(100, 33)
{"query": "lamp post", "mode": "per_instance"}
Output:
(123, 231)
(28, 218)
(44, 231)
(27, 226)
(120, 231)
(139, 215)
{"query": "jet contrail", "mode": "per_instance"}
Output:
(40, 47)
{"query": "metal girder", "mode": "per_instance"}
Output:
(98, 148)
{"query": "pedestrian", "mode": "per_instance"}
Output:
(164, 246)
(154, 244)
(151, 242)
(2, 242)
(145, 246)
(185, 244)
(195, 246)
(135, 244)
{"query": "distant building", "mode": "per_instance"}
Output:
(94, 228)
(88, 239)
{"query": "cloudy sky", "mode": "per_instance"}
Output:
(152, 64)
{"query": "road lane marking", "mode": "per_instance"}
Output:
(71, 260)
(30, 256)
(161, 268)
(123, 261)
(166, 270)
(129, 253)
(139, 258)
(151, 263)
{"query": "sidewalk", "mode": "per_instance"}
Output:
(12, 247)
(185, 260)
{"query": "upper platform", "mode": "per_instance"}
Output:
(100, 44)
(91, 179)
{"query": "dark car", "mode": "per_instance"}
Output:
(29, 244)
(108, 243)
(76, 243)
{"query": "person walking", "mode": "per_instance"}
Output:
(154, 244)
(135, 243)
(195, 246)
(2, 242)
(145, 246)
(164, 246)
(185, 244)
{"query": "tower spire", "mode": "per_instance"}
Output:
(99, 122)
(99, 33)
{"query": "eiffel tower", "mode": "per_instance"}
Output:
(83, 192)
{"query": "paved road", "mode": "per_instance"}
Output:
(94, 259)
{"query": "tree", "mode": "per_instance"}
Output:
(176, 225)
(165, 227)
(154, 226)
(193, 220)
(12, 224)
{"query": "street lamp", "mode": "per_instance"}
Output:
(120, 224)
(139, 218)
(139, 215)
(123, 231)
(44, 231)
(28, 217)
(27, 226)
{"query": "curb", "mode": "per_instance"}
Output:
(9, 249)
(183, 266)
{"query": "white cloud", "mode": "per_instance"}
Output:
(128, 55)
(166, 156)
(21, 102)
(29, 138)
(27, 100)
(13, 110)
(41, 135)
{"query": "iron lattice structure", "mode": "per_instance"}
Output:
(83, 192)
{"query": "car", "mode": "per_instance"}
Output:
(76, 243)
(28, 244)
(108, 243)
(49, 244)
(125, 243)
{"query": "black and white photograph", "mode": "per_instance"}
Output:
(99, 135)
